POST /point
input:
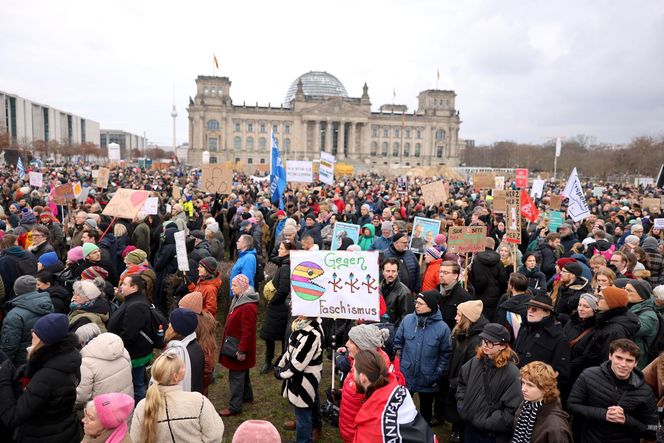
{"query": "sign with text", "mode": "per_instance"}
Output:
(499, 202)
(464, 239)
(114, 152)
(342, 230)
(598, 191)
(521, 178)
(36, 179)
(537, 189)
(653, 204)
(335, 284)
(434, 193)
(102, 177)
(299, 171)
(216, 178)
(126, 203)
(181, 251)
(659, 223)
(326, 168)
(424, 232)
(499, 182)
(513, 218)
(151, 206)
(63, 194)
(484, 181)
(556, 218)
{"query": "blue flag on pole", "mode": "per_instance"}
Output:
(20, 168)
(277, 175)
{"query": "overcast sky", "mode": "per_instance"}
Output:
(522, 70)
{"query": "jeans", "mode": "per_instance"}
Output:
(303, 417)
(138, 379)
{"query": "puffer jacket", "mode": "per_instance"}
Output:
(366, 241)
(647, 332)
(246, 265)
(596, 389)
(409, 267)
(425, 350)
(16, 333)
(536, 278)
(351, 402)
(489, 279)
(60, 297)
(610, 325)
(106, 368)
(488, 397)
(209, 288)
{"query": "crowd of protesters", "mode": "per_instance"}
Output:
(104, 339)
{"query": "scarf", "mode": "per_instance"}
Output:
(523, 430)
(179, 347)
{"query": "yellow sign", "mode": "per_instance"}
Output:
(343, 169)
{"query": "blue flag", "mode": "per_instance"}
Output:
(20, 168)
(277, 175)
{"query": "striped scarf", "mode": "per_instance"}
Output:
(526, 423)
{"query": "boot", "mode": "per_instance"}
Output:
(316, 434)
(266, 368)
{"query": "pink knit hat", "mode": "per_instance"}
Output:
(256, 431)
(192, 301)
(242, 283)
(440, 239)
(75, 254)
(112, 412)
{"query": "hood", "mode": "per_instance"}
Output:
(250, 296)
(488, 258)
(106, 346)
(108, 241)
(435, 317)
(37, 302)
(15, 251)
(580, 258)
(622, 317)
(579, 283)
(169, 235)
(650, 244)
(370, 227)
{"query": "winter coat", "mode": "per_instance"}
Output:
(201, 250)
(190, 352)
(568, 241)
(551, 424)
(568, 297)
(301, 366)
(574, 333)
(549, 259)
(276, 316)
(10, 269)
(610, 325)
(425, 350)
(209, 288)
(60, 297)
(653, 375)
(44, 413)
(409, 267)
(515, 304)
(42, 249)
(141, 237)
(108, 246)
(488, 277)
(647, 332)
(536, 278)
(16, 333)
(450, 300)
(106, 368)
(97, 312)
(488, 397)
(56, 237)
(544, 341)
(431, 278)
(380, 243)
(132, 317)
(241, 324)
(398, 300)
(352, 401)
(245, 265)
(596, 389)
(366, 241)
(314, 232)
(186, 416)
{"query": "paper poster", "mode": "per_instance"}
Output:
(554, 202)
(434, 193)
(299, 171)
(83, 196)
(102, 177)
(216, 179)
(513, 218)
(556, 218)
(126, 203)
(151, 206)
(499, 182)
(113, 152)
(577, 208)
(499, 202)
(335, 284)
(423, 234)
(521, 178)
(63, 194)
(537, 189)
(598, 191)
(181, 251)
(36, 179)
(659, 223)
(484, 181)
(464, 239)
(326, 168)
(342, 230)
(651, 203)
(176, 192)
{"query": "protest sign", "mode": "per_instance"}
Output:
(598, 191)
(63, 194)
(102, 177)
(537, 189)
(577, 208)
(83, 195)
(342, 230)
(151, 206)
(434, 193)
(499, 182)
(335, 284)
(659, 223)
(176, 192)
(556, 218)
(114, 152)
(554, 202)
(126, 203)
(513, 219)
(498, 200)
(326, 168)
(181, 251)
(299, 171)
(521, 178)
(216, 178)
(464, 239)
(36, 179)
(95, 173)
(484, 181)
(653, 204)
(424, 232)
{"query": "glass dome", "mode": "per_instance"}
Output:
(317, 83)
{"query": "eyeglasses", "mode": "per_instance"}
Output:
(489, 344)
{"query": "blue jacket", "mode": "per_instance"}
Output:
(409, 267)
(245, 264)
(425, 351)
(380, 243)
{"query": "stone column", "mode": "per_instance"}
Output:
(328, 136)
(341, 138)
(351, 143)
(316, 138)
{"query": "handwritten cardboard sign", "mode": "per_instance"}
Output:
(513, 218)
(216, 179)
(555, 201)
(654, 204)
(102, 177)
(434, 193)
(63, 194)
(126, 203)
(464, 239)
(484, 181)
(499, 201)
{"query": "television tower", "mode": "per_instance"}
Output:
(174, 114)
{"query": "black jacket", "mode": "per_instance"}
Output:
(544, 341)
(548, 260)
(277, 314)
(574, 331)
(398, 301)
(44, 412)
(489, 279)
(60, 297)
(314, 232)
(132, 317)
(610, 325)
(409, 267)
(596, 389)
(568, 297)
(464, 348)
(450, 300)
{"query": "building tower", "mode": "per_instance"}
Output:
(174, 114)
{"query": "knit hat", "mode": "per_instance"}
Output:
(542, 301)
(591, 300)
(136, 257)
(398, 236)
(471, 309)
(495, 333)
(615, 297)
(209, 264)
(90, 223)
(256, 431)
(642, 288)
(113, 410)
(183, 321)
(561, 262)
(368, 337)
(93, 272)
(431, 298)
(25, 284)
(213, 227)
(650, 244)
(440, 239)
(75, 254)
(198, 234)
(192, 301)
(127, 250)
(87, 289)
(435, 253)
(632, 240)
(573, 268)
(51, 328)
(48, 259)
(281, 213)
(242, 282)
(88, 248)
(386, 226)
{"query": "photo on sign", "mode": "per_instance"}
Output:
(424, 233)
(342, 230)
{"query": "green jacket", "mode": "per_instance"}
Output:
(648, 330)
(365, 242)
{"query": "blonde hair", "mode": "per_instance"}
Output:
(544, 377)
(163, 369)
(119, 230)
(462, 326)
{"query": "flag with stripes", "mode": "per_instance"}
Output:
(20, 168)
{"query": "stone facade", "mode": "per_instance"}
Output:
(311, 122)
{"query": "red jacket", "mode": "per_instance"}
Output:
(431, 278)
(241, 323)
(210, 290)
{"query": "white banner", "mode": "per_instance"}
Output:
(559, 145)
(659, 223)
(36, 179)
(577, 208)
(151, 206)
(113, 152)
(326, 168)
(181, 251)
(537, 189)
(335, 284)
(299, 171)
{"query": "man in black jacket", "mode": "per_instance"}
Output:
(548, 251)
(488, 277)
(512, 309)
(453, 292)
(612, 402)
(397, 296)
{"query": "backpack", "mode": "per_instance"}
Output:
(657, 345)
(606, 254)
(158, 325)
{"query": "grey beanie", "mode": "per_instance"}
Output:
(650, 244)
(386, 226)
(591, 300)
(368, 337)
(25, 284)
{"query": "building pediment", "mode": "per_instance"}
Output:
(336, 108)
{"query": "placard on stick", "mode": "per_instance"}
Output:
(63, 194)
(654, 204)
(513, 218)
(464, 239)
(102, 177)
(484, 181)
(499, 200)
(216, 179)
(554, 202)
(126, 203)
(434, 193)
